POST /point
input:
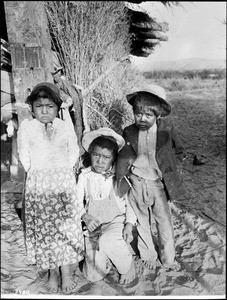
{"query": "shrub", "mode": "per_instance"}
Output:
(90, 36)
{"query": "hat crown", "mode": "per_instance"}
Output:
(103, 131)
(155, 89)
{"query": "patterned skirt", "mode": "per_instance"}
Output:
(52, 224)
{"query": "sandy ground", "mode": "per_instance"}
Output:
(199, 221)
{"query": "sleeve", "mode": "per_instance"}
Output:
(179, 149)
(67, 118)
(80, 188)
(73, 147)
(130, 215)
(124, 159)
(23, 144)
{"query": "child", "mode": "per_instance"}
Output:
(109, 219)
(148, 163)
(48, 150)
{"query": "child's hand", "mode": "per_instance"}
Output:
(127, 233)
(91, 222)
(67, 103)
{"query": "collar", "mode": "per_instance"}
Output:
(53, 123)
(109, 173)
(106, 174)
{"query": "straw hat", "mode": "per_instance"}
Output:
(156, 90)
(104, 131)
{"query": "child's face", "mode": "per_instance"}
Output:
(45, 110)
(144, 117)
(101, 159)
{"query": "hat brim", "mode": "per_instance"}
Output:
(165, 105)
(104, 131)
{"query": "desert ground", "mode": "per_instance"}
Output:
(199, 113)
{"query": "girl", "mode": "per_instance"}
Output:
(108, 218)
(48, 150)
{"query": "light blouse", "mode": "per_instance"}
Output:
(101, 188)
(37, 150)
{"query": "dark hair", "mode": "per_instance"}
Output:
(104, 142)
(147, 99)
(44, 92)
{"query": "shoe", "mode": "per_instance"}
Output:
(197, 161)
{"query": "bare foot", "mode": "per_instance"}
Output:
(172, 267)
(53, 280)
(149, 264)
(129, 276)
(68, 284)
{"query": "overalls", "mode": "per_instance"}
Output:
(105, 245)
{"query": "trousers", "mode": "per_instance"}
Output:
(109, 248)
(148, 199)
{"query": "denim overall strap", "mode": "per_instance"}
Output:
(106, 209)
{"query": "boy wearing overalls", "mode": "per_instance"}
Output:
(147, 168)
(109, 219)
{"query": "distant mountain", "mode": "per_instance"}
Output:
(187, 64)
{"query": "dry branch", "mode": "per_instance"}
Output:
(102, 76)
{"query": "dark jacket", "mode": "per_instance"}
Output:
(169, 156)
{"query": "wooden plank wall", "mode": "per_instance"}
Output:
(31, 55)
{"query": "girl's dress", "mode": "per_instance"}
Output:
(53, 231)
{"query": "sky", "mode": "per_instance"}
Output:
(196, 30)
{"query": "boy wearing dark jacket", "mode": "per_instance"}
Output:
(147, 168)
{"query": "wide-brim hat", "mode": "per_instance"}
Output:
(104, 131)
(155, 90)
